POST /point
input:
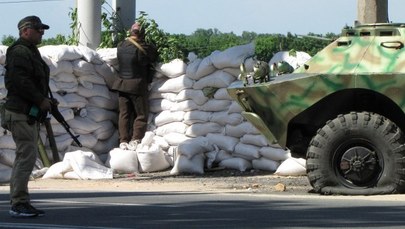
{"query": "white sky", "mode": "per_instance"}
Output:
(185, 16)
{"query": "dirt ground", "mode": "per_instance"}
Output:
(210, 181)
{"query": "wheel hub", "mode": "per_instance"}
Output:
(359, 165)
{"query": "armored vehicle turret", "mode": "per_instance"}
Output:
(344, 110)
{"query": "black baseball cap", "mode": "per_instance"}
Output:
(32, 22)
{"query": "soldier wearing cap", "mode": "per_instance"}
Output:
(26, 81)
(135, 58)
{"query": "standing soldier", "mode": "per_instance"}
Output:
(26, 80)
(135, 58)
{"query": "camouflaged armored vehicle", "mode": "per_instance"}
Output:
(343, 110)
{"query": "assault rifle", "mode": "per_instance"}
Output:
(58, 116)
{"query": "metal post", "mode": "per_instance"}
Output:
(89, 18)
(372, 11)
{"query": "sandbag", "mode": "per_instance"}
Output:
(194, 165)
(151, 159)
(122, 161)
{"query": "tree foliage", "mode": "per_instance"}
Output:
(202, 42)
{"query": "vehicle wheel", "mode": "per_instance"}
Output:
(359, 153)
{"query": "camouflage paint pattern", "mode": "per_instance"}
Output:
(366, 56)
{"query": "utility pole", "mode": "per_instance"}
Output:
(372, 11)
(89, 26)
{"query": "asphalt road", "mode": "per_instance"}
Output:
(163, 209)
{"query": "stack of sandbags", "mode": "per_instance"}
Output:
(77, 81)
(193, 123)
(191, 101)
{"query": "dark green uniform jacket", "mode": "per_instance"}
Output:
(27, 77)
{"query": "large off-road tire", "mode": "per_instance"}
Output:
(360, 153)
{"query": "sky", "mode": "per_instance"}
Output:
(186, 16)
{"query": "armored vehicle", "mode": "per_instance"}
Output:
(343, 110)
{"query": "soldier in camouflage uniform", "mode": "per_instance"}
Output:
(26, 80)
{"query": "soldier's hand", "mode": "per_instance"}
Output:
(45, 105)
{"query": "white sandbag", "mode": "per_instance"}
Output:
(67, 114)
(5, 173)
(194, 146)
(151, 159)
(173, 127)
(161, 142)
(105, 131)
(97, 114)
(107, 72)
(192, 68)
(202, 129)
(60, 52)
(7, 142)
(240, 130)
(194, 165)
(292, 167)
(226, 143)
(122, 161)
(63, 66)
(235, 108)
(89, 54)
(3, 93)
(63, 141)
(67, 77)
(108, 55)
(71, 100)
(233, 57)
(222, 93)
(196, 95)
(57, 87)
(217, 79)
(174, 68)
(204, 68)
(87, 165)
(83, 125)
(174, 139)
(165, 95)
(236, 163)
(235, 72)
(7, 157)
(195, 116)
(104, 146)
(168, 116)
(176, 84)
(224, 118)
(88, 140)
(87, 81)
(159, 105)
(248, 152)
(275, 154)
(186, 105)
(215, 105)
(265, 164)
(71, 175)
(222, 155)
(97, 90)
(58, 170)
(3, 50)
(101, 102)
(254, 139)
(148, 138)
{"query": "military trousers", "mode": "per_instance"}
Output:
(25, 136)
(133, 116)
